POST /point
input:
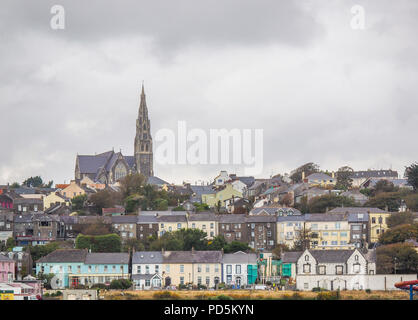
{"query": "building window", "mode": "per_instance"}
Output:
(199, 280)
(339, 269)
(321, 269)
(182, 268)
(157, 268)
(229, 269)
(138, 269)
(207, 281)
(147, 269)
(181, 280)
(167, 268)
(179, 226)
(307, 268)
(306, 258)
(356, 268)
(238, 269)
(207, 268)
(199, 268)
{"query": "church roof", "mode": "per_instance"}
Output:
(156, 181)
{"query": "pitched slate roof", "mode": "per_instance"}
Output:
(130, 160)
(170, 218)
(291, 218)
(124, 219)
(199, 190)
(147, 257)
(324, 217)
(90, 164)
(331, 256)
(203, 216)
(107, 258)
(247, 180)
(4, 258)
(291, 256)
(260, 219)
(358, 217)
(192, 257)
(318, 176)
(232, 218)
(374, 174)
(147, 276)
(156, 181)
(146, 219)
(356, 210)
(64, 255)
(239, 257)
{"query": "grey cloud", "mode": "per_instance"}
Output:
(171, 24)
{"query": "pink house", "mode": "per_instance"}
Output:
(7, 269)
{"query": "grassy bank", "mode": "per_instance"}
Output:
(255, 294)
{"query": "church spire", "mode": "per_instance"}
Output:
(143, 139)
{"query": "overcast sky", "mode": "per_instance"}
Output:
(322, 91)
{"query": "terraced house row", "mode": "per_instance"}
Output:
(264, 228)
(149, 269)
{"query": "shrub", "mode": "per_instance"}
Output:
(99, 286)
(120, 284)
(368, 291)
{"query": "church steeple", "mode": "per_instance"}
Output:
(143, 139)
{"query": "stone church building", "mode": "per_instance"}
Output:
(109, 167)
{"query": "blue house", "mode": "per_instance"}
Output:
(74, 267)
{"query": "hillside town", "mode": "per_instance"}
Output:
(116, 225)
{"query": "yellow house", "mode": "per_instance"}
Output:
(206, 222)
(72, 190)
(377, 223)
(55, 198)
(192, 267)
(320, 180)
(171, 223)
(223, 194)
(328, 231)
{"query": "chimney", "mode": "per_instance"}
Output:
(303, 175)
(162, 251)
(192, 250)
(333, 174)
(222, 251)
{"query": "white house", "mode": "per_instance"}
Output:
(222, 178)
(239, 186)
(147, 270)
(333, 269)
(235, 267)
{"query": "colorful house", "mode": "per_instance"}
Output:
(224, 193)
(55, 198)
(73, 267)
(7, 269)
(239, 269)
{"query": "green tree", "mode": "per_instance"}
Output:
(201, 207)
(411, 174)
(383, 186)
(10, 244)
(385, 200)
(399, 233)
(308, 168)
(78, 202)
(46, 279)
(131, 184)
(40, 251)
(400, 218)
(303, 239)
(411, 201)
(132, 244)
(330, 201)
(235, 246)
(401, 256)
(33, 182)
(344, 181)
(217, 243)
(105, 199)
(15, 185)
(102, 243)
